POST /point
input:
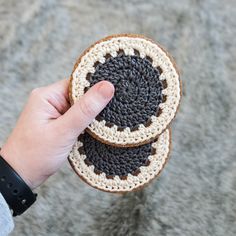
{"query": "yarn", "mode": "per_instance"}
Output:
(138, 90)
(147, 89)
(81, 161)
(112, 160)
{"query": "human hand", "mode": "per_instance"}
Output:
(48, 127)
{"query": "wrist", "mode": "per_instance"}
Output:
(13, 188)
(16, 164)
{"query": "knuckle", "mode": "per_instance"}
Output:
(36, 92)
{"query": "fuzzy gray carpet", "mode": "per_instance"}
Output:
(196, 193)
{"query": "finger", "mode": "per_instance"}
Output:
(82, 113)
(57, 95)
(60, 87)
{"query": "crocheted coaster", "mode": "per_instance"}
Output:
(116, 169)
(147, 88)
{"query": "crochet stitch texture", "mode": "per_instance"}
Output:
(128, 143)
(130, 45)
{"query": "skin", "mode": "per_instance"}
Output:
(48, 127)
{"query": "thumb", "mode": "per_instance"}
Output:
(82, 113)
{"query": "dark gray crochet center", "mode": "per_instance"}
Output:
(138, 90)
(112, 160)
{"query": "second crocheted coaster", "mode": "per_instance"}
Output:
(147, 88)
(116, 169)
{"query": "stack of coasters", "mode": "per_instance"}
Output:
(128, 143)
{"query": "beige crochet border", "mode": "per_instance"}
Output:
(147, 173)
(129, 43)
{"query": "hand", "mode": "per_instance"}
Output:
(48, 127)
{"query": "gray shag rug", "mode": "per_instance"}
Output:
(196, 193)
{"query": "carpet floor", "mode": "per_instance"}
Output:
(196, 193)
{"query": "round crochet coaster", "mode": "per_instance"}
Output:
(147, 88)
(116, 169)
